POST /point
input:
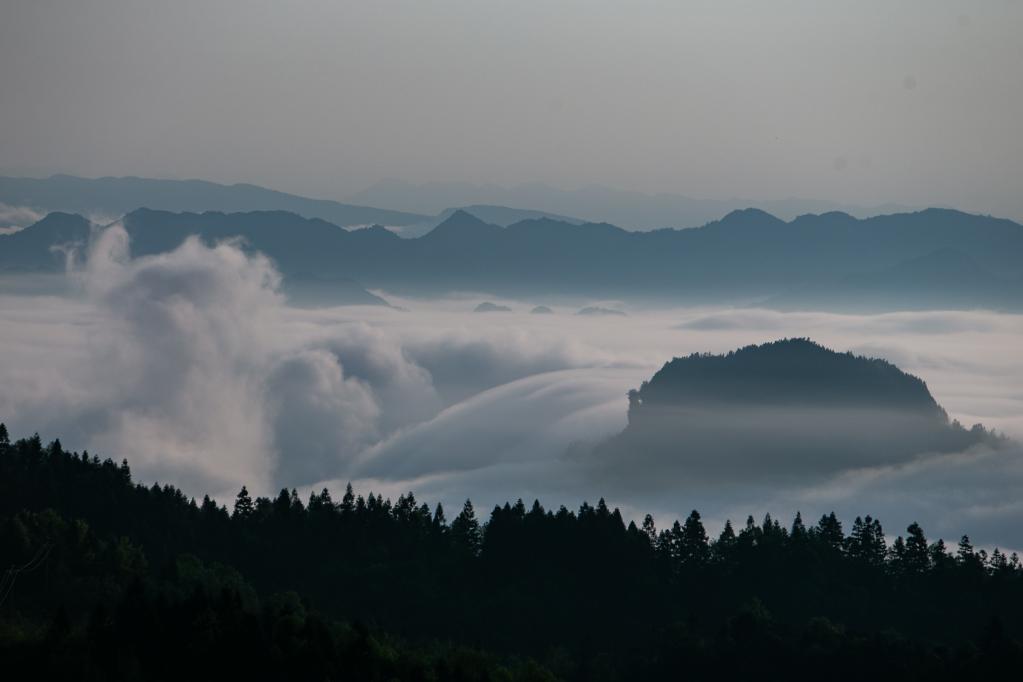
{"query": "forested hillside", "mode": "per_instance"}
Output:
(112, 579)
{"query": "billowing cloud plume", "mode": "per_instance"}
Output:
(190, 365)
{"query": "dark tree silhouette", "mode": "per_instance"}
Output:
(103, 575)
(465, 530)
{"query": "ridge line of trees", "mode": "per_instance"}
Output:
(580, 591)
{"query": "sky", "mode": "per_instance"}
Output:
(864, 102)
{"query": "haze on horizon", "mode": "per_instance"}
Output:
(865, 103)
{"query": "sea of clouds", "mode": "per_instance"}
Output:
(193, 367)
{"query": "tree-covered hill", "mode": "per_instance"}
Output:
(112, 579)
(784, 372)
(788, 405)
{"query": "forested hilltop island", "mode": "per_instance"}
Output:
(107, 578)
(794, 403)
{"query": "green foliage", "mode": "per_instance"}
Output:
(126, 581)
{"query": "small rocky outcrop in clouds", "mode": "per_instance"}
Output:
(597, 311)
(541, 310)
(488, 307)
(791, 407)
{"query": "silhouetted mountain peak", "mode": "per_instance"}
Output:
(375, 232)
(40, 245)
(60, 219)
(746, 218)
(828, 219)
(505, 215)
(57, 227)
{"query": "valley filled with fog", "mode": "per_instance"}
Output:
(195, 367)
(531, 342)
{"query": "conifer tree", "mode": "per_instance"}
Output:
(829, 530)
(798, 528)
(939, 556)
(693, 546)
(727, 536)
(898, 553)
(649, 529)
(348, 501)
(916, 557)
(465, 530)
(440, 523)
(967, 558)
(243, 508)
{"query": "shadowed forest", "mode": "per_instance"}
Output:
(105, 575)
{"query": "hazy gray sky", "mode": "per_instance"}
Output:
(861, 102)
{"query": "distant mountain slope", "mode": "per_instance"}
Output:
(933, 258)
(943, 278)
(790, 405)
(631, 210)
(502, 216)
(505, 215)
(42, 246)
(113, 197)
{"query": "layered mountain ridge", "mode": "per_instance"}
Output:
(748, 256)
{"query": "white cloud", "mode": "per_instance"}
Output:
(191, 365)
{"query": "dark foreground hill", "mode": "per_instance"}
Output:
(111, 579)
(790, 405)
(931, 259)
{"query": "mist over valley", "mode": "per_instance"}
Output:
(519, 342)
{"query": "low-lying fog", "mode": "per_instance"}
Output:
(193, 367)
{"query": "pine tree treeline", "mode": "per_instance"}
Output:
(584, 593)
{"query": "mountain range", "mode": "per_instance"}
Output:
(595, 203)
(108, 198)
(936, 258)
(419, 207)
(111, 198)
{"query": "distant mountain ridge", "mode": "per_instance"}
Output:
(888, 262)
(111, 197)
(502, 216)
(108, 198)
(629, 209)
